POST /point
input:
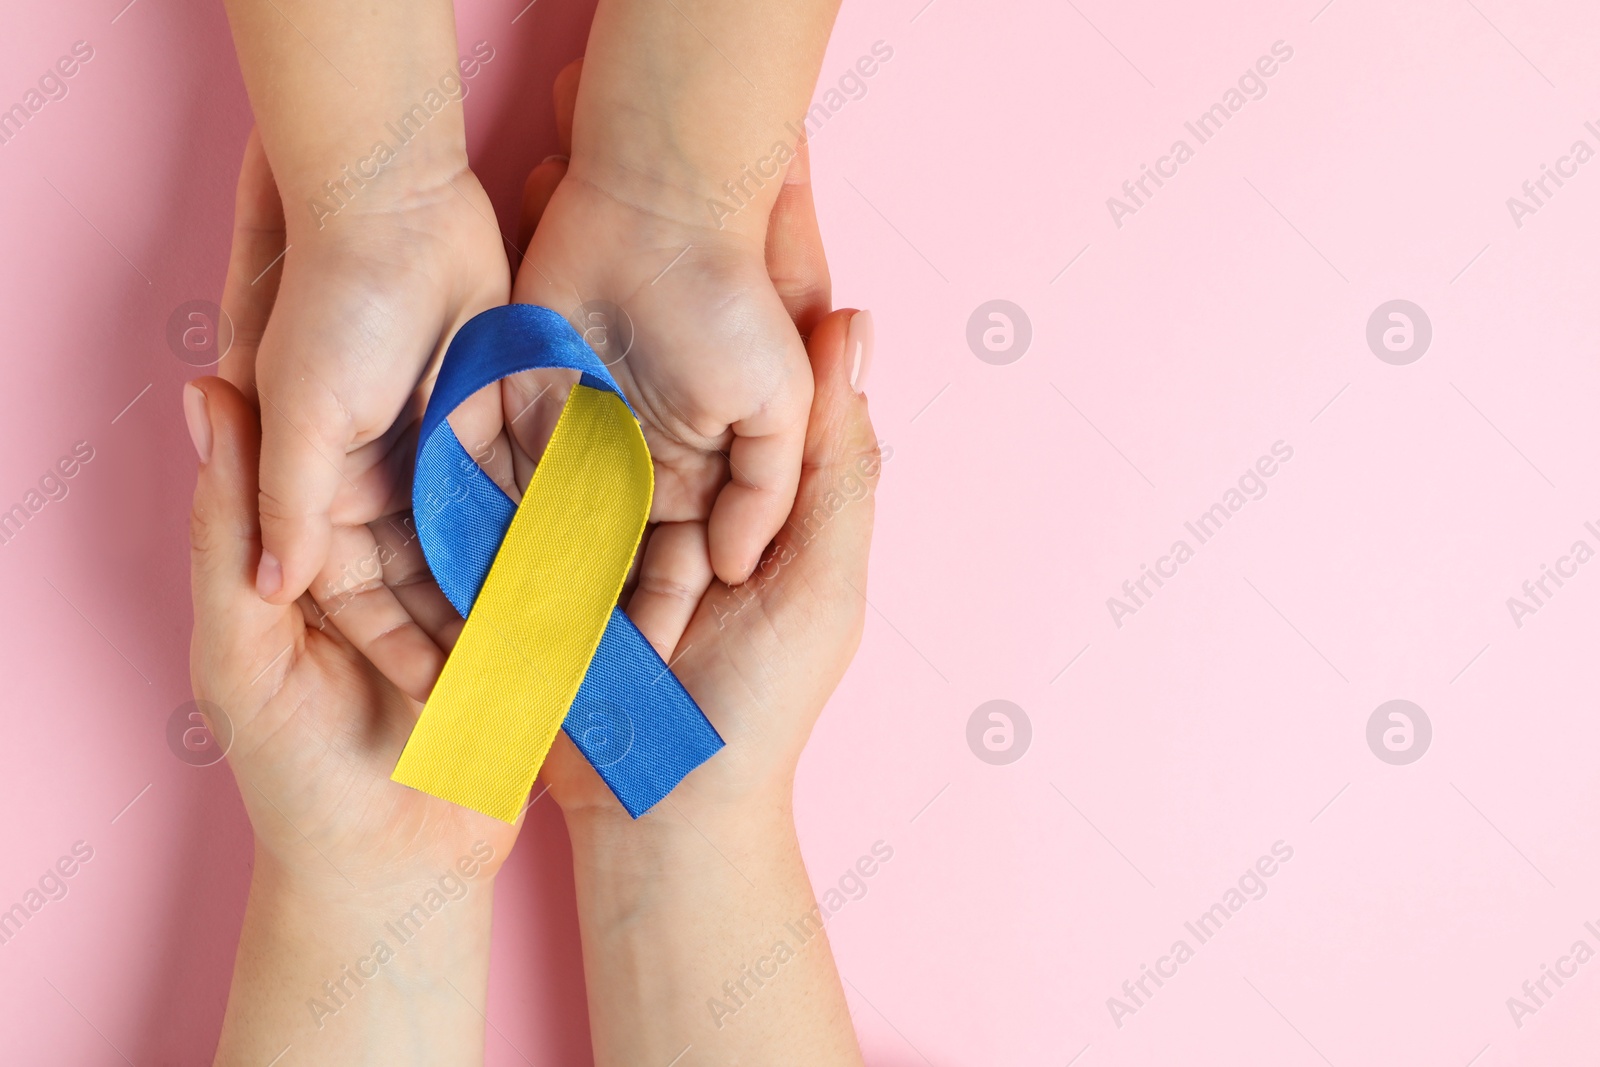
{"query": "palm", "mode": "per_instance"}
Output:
(333, 344)
(754, 658)
(313, 761)
(319, 715)
(714, 366)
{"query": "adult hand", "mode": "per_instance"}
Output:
(346, 860)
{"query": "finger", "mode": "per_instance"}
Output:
(353, 595)
(674, 574)
(796, 261)
(377, 478)
(406, 572)
(305, 435)
(565, 93)
(536, 194)
(763, 470)
(252, 280)
(814, 579)
(830, 528)
(236, 636)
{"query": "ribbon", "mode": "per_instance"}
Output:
(545, 645)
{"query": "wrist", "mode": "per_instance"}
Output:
(689, 181)
(679, 845)
(350, 975)
(340, 201)
(331, 907)
(683, 105)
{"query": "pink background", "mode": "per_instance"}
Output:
(1228, 714)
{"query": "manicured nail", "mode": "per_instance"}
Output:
(269, 575)
(199, 420)
(858, 349)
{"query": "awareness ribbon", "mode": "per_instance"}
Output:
(545, 645)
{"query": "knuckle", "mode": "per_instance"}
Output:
(277, 510)
(209, 530)
(669, 587)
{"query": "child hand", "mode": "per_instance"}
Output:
(361, 307)
(715, 366)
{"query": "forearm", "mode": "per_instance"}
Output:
(330, 80)
(705, 935)
(680, 97)
(345, 978)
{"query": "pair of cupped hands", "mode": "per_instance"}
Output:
(319, 629)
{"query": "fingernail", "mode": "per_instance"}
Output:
(858, 349)
(558, 157)
(269, 575)
(199, 420)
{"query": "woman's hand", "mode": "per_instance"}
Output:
(678, 907)
(366, 934)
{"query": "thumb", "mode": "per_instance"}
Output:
(305, 434)
(830, 529)
(236, 634)
(796, 261)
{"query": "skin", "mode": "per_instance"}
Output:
(321, 695)
(369, 299)
(366, 298)
(717, 371)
